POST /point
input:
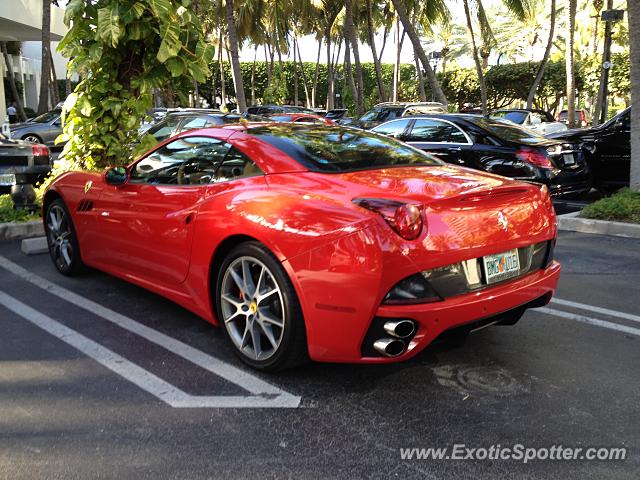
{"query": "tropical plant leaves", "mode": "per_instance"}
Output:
(109, 30)
(170, 45)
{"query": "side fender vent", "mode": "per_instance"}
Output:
(85, 206)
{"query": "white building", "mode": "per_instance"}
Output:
(21, 20)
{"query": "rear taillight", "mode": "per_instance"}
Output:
(404, 218)
(535, 157)
(39, 150)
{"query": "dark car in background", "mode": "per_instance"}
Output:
(607, 149)
(276, 109)
(581, 117)
(174, 123)
(22, 163)
(496, 147)
(44, 128)
(383, 112)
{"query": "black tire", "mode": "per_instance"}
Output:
(72, 265)
(292, 349)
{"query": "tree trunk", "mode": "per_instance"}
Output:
(372, 43)
(253, 76)
(348, 70)
(417, 46)
(235, 57)
(295, 74)
(476, 58)
(570, 61)
(223, 80)
(350, 31)
(601, 105)
(304, 76)
(314, 87)
(633, 9)
(12, 82)
(399, 40)
(545, 58)
(43, 102)
(55, 97)
(421, 89)
(385, 35)
(330, 93)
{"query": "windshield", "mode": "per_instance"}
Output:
(507, 131)
(281, 118)
(515, 117)
(331, 149)
(381, 114)
(614, 119)
(47, 117)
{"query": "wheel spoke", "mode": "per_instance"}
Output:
(228, 298)
(268, 332)
(261, 297)
(238, 281)
(247, 279)
(64, 249)
(268, 319)
(255, 339)
(259, 283)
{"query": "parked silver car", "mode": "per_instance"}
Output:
(44, 128)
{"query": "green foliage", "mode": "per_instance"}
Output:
(623, 206)
(9, 214)
(123, 50)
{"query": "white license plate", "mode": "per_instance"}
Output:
(7, 179)
(568, 159)
(501, 266)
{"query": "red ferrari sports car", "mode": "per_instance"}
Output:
(308, 241)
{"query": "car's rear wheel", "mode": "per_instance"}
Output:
(32, 138)
(62, 240)
(259, 309)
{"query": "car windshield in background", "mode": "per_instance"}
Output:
(46, 117)
(330, 149)
(508, 132)
(515, 117)
(381, 114)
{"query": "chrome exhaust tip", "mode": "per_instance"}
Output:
(389, 347)
(400, 328)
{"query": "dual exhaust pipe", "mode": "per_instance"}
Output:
(398, 330)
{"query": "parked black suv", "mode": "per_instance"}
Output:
(275, 109)
(495, 146)
(607, 149)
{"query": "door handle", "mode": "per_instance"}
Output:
(188, 218)
(455, 149)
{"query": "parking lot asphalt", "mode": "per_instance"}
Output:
(101, 379)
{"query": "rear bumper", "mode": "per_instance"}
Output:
(435, 318)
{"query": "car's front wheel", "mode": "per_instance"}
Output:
(32, 138)
(259, 309)
(62, 240)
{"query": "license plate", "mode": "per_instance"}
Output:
(568, 159)
(7, 179)
(501, 266)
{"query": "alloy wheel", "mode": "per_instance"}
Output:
(31, 139)
(252, 308)
(59, 235)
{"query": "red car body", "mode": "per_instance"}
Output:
(341, 259)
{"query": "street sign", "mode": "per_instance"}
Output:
(612, 15)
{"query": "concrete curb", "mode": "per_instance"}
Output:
(571, 222)
(17, 230)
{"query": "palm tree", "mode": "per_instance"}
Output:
(234, 51)
(401, 11)
(633, 9)
(570, 61)
(545, 58)
(45, 73)
(476, 56)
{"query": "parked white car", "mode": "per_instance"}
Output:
(537, 120)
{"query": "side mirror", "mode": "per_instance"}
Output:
(116, 176)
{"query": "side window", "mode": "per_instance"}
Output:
(185, 161)
(164, 129)
(535, 118)
(436, 131)
(236, 165)
(392, 129)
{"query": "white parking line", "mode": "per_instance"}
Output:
(591, 308)
(591, 321)
(263, 394)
